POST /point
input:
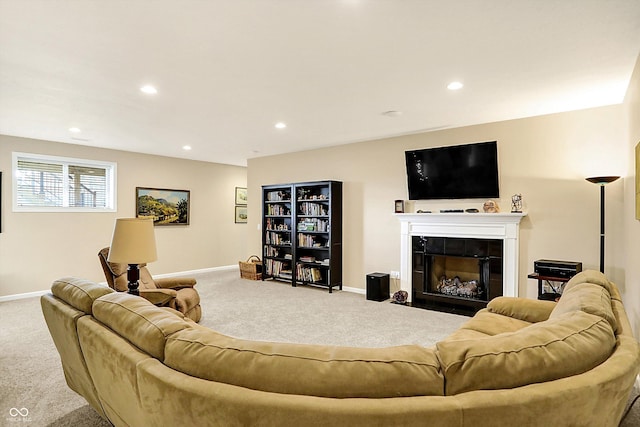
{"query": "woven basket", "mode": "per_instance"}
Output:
(251, 268)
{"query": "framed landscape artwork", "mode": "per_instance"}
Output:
(241, 214)
(166, 207)
(241, 196)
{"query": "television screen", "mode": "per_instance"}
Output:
(467, 171)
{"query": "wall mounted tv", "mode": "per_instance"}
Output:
(467, 171)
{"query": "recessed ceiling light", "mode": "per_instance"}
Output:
(74, 130)
(454, 86)
(392, 113)
(149, 90)
(280, 125)
(186, 147)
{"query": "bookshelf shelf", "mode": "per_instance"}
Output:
(302, 233)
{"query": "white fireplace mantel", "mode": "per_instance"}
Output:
(504, 226)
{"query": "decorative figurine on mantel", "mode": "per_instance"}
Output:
(491, 206)
(516, 203)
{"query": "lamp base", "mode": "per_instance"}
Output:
(133, 275)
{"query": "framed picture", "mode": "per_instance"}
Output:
(241, 196)
(166, 207)
(241, 214)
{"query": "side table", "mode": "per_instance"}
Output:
(557, 289)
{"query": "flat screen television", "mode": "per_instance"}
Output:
(467, 171)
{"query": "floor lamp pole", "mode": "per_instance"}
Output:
(602, 181)
(602, 228)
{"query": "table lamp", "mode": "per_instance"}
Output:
(133, 243)
(602, 181)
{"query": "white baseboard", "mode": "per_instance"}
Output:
(354, 290)
(179, 274)
(200, 271)
(23, 296)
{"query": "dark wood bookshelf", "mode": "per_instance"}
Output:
(309, 217)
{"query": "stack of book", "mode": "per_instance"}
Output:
(308, 274)
(277, 268)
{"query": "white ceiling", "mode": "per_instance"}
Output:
(227, 70)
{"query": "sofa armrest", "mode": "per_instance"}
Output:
(175, 282)
(529, 310)
(158, 297)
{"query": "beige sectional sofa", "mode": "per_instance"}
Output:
(519, 362)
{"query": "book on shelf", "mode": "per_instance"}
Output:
(271, 251)
(277, 268)
(275, 238)
(305, 240)
(313, 224)
(307, 258)
(306, 226)
(286, 274)
(314, 209)
(278, 210)
(308, 274)
(278, 196)
(311, 241)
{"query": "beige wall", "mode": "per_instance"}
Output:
(631, 224)
(37, 248)
(544, 158)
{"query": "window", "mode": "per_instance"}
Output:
(50, 184)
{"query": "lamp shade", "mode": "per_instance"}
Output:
(133, 241)
(602, 180)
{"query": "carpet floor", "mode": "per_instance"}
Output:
(33, 389)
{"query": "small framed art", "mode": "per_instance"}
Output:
(241, 196)
(241, 214)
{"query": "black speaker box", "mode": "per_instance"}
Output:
(377, 286)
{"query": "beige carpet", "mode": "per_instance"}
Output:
(32, 377)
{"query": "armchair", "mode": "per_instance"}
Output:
(177, 293)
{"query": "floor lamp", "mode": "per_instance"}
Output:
(602, 181)
(133, 243)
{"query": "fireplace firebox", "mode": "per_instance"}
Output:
(458, 275)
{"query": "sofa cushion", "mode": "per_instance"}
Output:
(587, 297)
(590, 276)
(79, 293)
(526, 309)
(313, 370)
(465, 334)
(137, 320)
(567, 345)
(490, 324)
